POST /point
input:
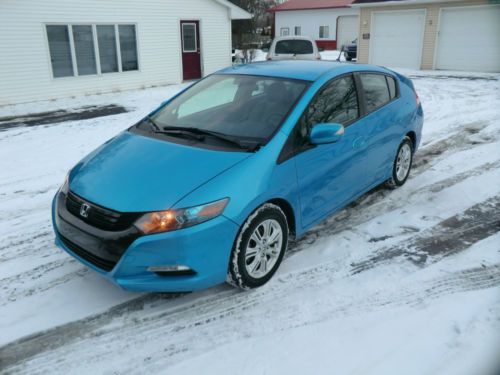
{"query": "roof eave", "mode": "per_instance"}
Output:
(236, 13)
(273, 10)
(398, 2)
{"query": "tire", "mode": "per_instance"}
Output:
(402, 164)
(267, 224)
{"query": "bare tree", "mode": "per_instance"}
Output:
(246, 31)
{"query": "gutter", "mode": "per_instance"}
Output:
(400, 2)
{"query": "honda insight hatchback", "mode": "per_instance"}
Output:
(210, 186)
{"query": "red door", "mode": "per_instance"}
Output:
(190, 44)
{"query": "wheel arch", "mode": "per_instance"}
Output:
(413, 137)
(287, 209)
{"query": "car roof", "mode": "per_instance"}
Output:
(307, 70)
(293, 37)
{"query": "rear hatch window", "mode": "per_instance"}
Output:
(294, 47)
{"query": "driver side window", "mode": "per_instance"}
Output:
(336, 103)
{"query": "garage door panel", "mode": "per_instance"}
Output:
(469, 39)
(396, 38)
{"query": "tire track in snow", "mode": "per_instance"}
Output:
(358, 212)
(112, 336)
(450, 236)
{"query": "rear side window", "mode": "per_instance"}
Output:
(376, 91)
(392, 86)
(294, 47)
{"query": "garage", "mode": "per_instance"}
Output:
(347, 30)
(396, 38)
(469, 39)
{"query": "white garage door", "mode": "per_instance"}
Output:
(469, 39)
(347, 30)
(396, 38)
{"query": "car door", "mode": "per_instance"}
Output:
(329, 175)
(380, 131)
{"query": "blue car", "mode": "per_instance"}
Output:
(211, 185)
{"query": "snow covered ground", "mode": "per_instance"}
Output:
(400, 282)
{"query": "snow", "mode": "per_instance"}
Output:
(332, 55)
(365, 292)
(325, 55)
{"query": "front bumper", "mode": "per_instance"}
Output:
(204, 248)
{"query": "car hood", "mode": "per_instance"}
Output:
(133, 173)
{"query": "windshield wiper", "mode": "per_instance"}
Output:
(172, 130)
(223, 137)
(153, 123)
(199, 134)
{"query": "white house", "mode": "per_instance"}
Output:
(332, 23)
(57, 48)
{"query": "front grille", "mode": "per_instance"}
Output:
(98, 216)
(104, 264)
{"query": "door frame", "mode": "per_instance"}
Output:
(372, 26)
(179, 44)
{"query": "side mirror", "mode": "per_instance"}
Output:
(326, 133)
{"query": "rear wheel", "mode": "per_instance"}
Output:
(402, 164)
(259, 248)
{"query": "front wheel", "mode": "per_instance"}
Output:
(259, 248)
(402, 164)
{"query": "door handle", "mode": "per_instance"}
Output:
(359, 142)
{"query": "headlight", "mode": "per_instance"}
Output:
(65, 186)
(165, 221)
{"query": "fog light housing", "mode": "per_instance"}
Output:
(172, 270)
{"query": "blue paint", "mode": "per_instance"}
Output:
(134, 173)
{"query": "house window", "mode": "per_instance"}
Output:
(324, 33)
(297, 30)
(284, 31)
(77, 50)
(60, 51)
(83, 41)
(106, 39)
(128, 47)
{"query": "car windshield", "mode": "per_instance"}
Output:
(295, 47)
(248, 108)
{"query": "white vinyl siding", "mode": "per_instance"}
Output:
(25, 66)
(309, 20)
